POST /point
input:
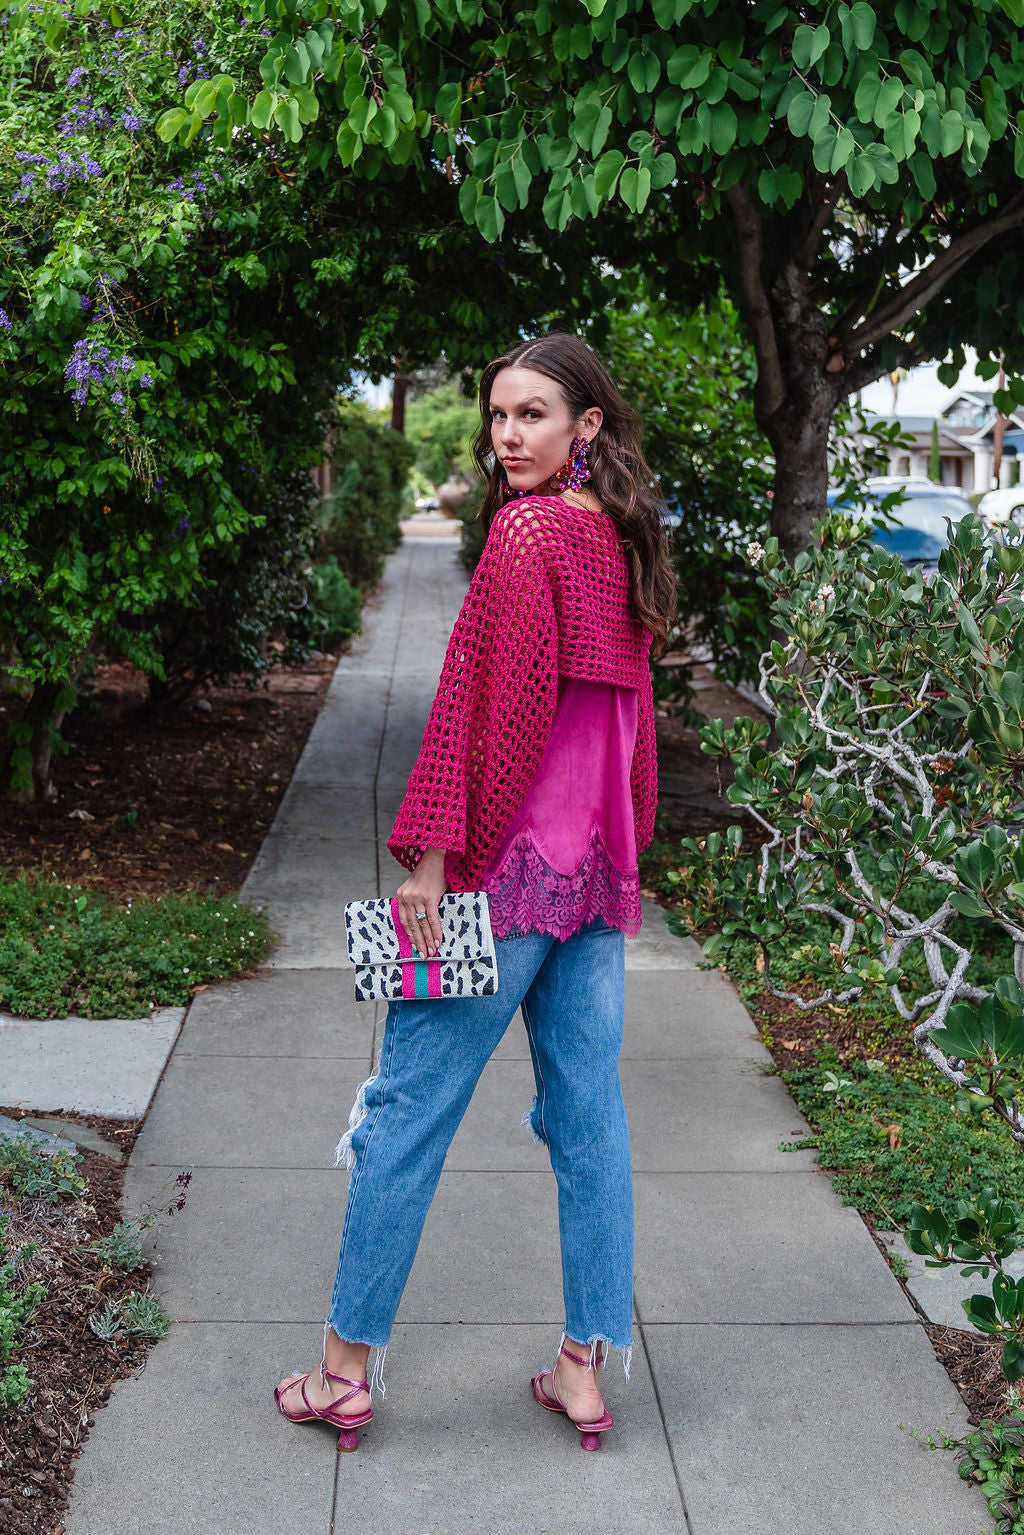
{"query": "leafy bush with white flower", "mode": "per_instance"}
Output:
(891, 803)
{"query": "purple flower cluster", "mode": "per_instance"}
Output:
(89, 363)
(77, 74)
(83, 116)
(132, 121)
(59, 173)
(93, 363)
(5, 323)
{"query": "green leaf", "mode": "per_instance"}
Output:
(490, 219)
(448, 106)
(606, 172)
(951, 133)
(644, 71)
(823, 147)
(663, 171)
(286, 115)
(888, 99)
(845, 147)
(643, 188)
(296, 63)
(668, 109)
(865, 97)
(168, 123)
(860, 175)
(863, 18)
(799, 114)
(723, 128)
(628, 187)
(689, 66)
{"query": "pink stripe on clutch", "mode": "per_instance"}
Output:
(405, 950)
(433, 977)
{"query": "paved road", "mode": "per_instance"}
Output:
(778, 1369)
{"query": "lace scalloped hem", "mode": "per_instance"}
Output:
(525, 894)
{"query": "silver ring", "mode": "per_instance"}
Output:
(419, 915)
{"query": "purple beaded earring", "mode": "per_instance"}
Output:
(574, 472)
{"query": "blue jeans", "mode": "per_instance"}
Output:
(433, 1052)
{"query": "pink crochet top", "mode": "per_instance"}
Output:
(569, 854)
(549, 599)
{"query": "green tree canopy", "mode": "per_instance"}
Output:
(175, 323)
(441, 424)
(855, 172)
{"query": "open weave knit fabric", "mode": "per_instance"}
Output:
(550, 596)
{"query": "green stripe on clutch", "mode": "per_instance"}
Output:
(420, 977)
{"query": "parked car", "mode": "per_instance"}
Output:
(920, 532)
(1003, 508)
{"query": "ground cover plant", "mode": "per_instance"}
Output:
(64, 949)
(76, 1310)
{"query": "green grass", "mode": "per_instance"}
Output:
(64, 949)
(892, 1142)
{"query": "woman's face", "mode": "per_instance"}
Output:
(531, 427)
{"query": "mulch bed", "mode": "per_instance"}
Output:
(178, 800)
(72, 1369)
(972, 1364)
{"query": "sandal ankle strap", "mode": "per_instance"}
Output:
(360, 1385)
(586, 1363)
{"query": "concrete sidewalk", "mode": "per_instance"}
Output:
(779, 1367)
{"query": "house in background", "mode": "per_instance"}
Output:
(966, 442)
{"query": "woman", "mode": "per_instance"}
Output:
(536, 782)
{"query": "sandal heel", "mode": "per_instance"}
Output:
(589, 1440)
(348, 1439)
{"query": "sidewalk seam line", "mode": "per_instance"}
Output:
(661, 1415)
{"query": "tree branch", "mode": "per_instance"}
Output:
(923, 287)
(806, 252)
(874, 266)
(869, 366)
(770, 390)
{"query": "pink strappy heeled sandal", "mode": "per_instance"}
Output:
(547, 1396)
(346, 1424)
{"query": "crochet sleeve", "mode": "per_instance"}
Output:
(492, 714)
(644, 770)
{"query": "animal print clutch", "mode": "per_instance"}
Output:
(388, 966)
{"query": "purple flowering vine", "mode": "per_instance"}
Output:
(5, 323)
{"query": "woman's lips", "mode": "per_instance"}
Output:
(513, 463)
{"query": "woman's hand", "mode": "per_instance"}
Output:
(421, 893)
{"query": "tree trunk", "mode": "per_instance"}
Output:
(43, 717)
(799, 441)
(798, 368)
(399, 390)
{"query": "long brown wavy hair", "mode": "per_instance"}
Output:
(620, 476)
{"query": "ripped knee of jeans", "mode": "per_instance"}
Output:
(532, 1119)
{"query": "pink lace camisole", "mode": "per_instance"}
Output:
(569, 855)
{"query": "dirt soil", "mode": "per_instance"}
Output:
(72, 1369)
(170, 801)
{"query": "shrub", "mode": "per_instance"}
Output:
(358, 521)
(889, 806)
(336, 603)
